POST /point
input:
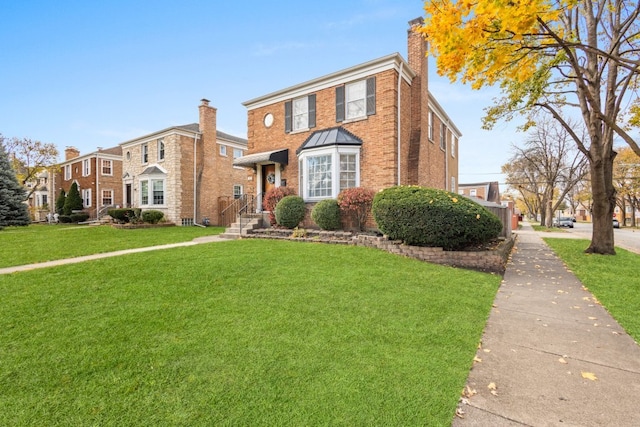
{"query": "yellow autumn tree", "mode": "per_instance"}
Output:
(561, 58)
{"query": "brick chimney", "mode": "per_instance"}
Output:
(207, 160)
(71, 153)
(207, 119)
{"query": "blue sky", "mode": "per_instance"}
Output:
(95, 74)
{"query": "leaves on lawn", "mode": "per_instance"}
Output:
(589, 376)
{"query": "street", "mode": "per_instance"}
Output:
(626, 238)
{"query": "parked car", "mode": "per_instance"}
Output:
(563, 221)
(616, 223)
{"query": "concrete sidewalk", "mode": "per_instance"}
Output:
(27, 267)
(551, 355)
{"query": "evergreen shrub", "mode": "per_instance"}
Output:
(124, 215)
(79, 217)
(152, 216)
(64, 219)
(271, 199)
(326, 214)
(290, 211)
(422, 216)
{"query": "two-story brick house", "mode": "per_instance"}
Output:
(489, 191)
(184, 171)
(98, 176)
(372, 125)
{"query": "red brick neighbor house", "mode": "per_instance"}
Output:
(98, 176)
(186, 172)
(489, 191)
(373, 125)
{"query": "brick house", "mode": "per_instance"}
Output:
(185, 171)
(98, 176)
(489, 191)
(373, 125)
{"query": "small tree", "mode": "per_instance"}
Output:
(60, 202)
(356, 202)
(12, 209)
(73, 200)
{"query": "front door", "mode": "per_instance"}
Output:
(268, 177)
(127, 196)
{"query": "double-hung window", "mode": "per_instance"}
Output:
(237, 191)
(454, 142)
(152, 192)
(107, 197)
(356, 100)
(430, 128)
(223, 150)
(86, 198)
(145, 153)
(325, 172)
(237, 153)
(300, 114)
(443, 136)
(160, 149)
(86, 167)
(107, 167)
(67, 172)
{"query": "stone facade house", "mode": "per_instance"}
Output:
(185, 171)
(373, 125)
(98, 176)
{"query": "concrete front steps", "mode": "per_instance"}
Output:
(249, 222)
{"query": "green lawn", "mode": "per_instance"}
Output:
(612, 279)
(40, 243)
(247, 332)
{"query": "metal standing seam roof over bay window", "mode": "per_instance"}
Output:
(276, 156)
(328, 137)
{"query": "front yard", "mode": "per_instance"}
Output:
(247, 332)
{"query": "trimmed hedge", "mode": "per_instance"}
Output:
(124, 215)
(79, 217)
(152, 216)
(326, 214)
(290, 211)
(422, 216)
(64, 219)
(271, 199)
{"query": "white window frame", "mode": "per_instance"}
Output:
(237, 153)
(161, 148)
(454, 143)
(443, 136)
(109, 168)
(453, 184)
(430, 128)
(110, 196)
(144, 153)
(473, 192)
(67, 172)
(149, 182)
(352, 98)
(86, 197)
(300, 114)
(223, 150)
(333, 153)
(86, 167)
(238, 191)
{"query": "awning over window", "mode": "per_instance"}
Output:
(277, 156)
(327, 137)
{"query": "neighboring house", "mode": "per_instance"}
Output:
(98, 176)
(489, 191)
(373, 125)
(39, 200)
(185, 171)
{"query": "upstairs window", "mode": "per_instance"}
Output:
(86, 167)
(430, 128)
(107, 167)
(223, 150)
(356, 100)
(237, 153)
(145, 153)
(300, 114)
(67, 172)
(160, 149)
(443, 136)
(454, 142)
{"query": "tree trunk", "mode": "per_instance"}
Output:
(604, 201)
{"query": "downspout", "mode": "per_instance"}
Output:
(446, 161)
(97, 186)
(195, 188)
(399, 117)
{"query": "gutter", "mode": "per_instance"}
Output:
(399, 117)
(195, 186)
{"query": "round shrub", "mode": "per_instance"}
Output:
(79, 217)
(429, 217)
(290, 211)
(326, 214)
(271, 199)
(64, 219)
(152, 216)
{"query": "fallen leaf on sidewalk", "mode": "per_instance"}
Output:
(468, 392)
(589, 376)
(493, 388)
(593, 318)
(486, 350)
(561, 360)
(459, 413)
(476, 359)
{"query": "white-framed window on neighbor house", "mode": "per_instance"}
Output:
(223, 150)
(107, 197)
(430, 128)
(145, 153)
(443, 136)
(160, 149)
(237, 153)
(107, 167)
(454, 143)
(86, 167)
(453, 184)
(237, 191)
(67, 172)
(327, 171)
(86, 197)
(152, 192)
(473, 192)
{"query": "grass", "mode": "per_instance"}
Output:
(612, 279)
(538, 227)
(40, 243)
(247, 332)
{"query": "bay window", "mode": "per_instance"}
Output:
(152, 192)
(325, 172)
